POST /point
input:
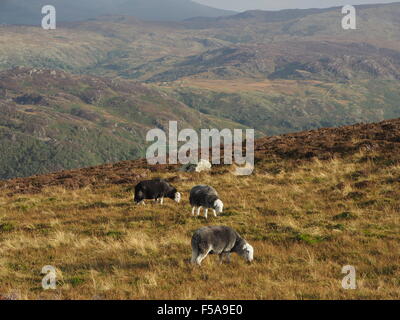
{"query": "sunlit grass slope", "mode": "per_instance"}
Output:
(305, 223)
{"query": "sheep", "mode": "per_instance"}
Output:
(219, 240)
(205, 197)
(155, 190)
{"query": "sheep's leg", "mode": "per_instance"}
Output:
(195, 255)
(215, 213)
(202, 256)
(205, 213)
(198, 211)
(225, 255)
(162, 200)
(194, 208)
(199, 259)
(142, 203)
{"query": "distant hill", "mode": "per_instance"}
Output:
(288, 44)
(280, 15)
(29, 11)
(51, 120)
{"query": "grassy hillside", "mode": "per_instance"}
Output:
(324, 199)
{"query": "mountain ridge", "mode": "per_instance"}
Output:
(29, 12)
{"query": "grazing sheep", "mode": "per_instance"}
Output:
(156, 190)
(205, 197)
(219, 240)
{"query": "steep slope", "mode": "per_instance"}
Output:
(52, 120)
(281, 106)
(314, 60)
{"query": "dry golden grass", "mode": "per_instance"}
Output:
(305, 225)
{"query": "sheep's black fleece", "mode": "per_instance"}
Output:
(154, 189)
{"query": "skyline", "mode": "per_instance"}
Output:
(240, 5)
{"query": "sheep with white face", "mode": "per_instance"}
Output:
(205, 197)
(219, 240)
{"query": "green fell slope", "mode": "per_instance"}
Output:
(51, 120)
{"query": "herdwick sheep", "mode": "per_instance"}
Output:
(205, 197)
(156, 190)
(219, 240)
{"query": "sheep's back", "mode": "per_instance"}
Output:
(220, 238)
(150, 187)
(199, 193)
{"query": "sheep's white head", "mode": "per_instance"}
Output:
(177, 197)
(248, 252)
(218, 206)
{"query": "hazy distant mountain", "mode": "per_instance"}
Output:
(29, 11)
